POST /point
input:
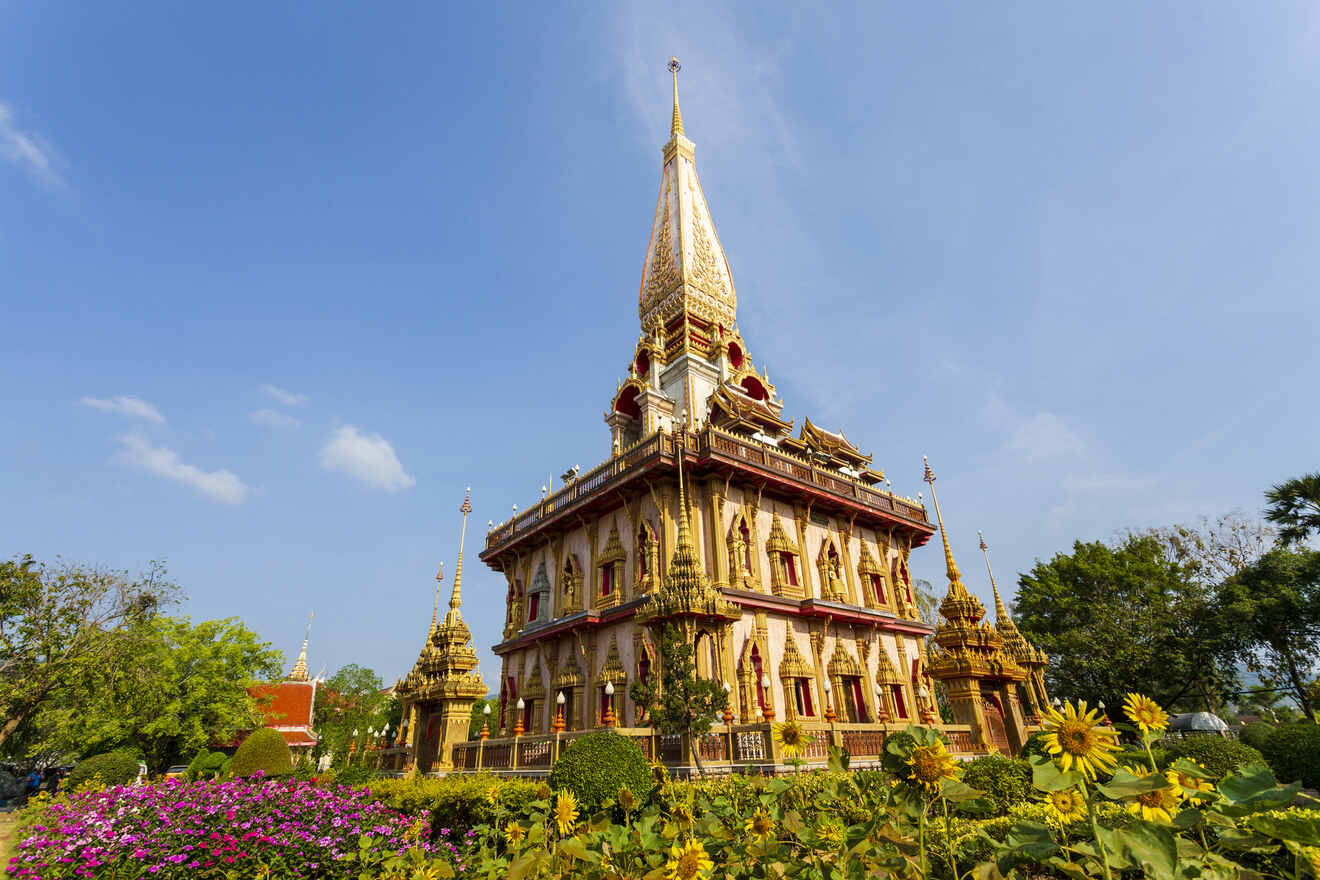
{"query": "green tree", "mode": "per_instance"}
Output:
(1124, 618)
(351, 699)
(57, 629)
(680, 702)
(479, 717)
(169, 688)
(1273, 606)
(1295, 507)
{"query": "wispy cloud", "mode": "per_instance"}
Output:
(1043, 437)
(288, 398)
(366, 457)
(221, 485)
(24, 149)
(1106, 485)
(273, 419)
(134, 407)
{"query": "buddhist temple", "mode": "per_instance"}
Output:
(780, 555)
(288, 706)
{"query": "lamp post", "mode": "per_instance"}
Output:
(559, 721)
(728, 718)
(485, 732)
(609, 718)
(768, 710)
(881, 710)
(829, 703)
(518, 725)
(1103, 715)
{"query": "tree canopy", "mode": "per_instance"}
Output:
(1294, 506)
(1126, 618)
(679, 701)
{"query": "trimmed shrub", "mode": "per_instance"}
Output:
(206, 765)
(1005, 781)
(594, 767)
(264, 751)
(1293, 753)
(115, 768)
(456, 802)
(1215, 753)
(1255, 734)
(354, 777)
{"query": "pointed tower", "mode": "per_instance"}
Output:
(690, 357)
(979, 676)
(1027, 655)
(437, 695)
(299, 670)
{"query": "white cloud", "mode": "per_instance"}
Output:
(221, 485)
(1105, 485)
(366, 457)
(22, 149)
(273, 419)
(1044, 436)
(135, 407)
(288, 398)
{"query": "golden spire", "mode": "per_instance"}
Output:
(1001, 614)
(299, 671)
(676, 125)
(456, 598)
(950, 567)
(435, 611)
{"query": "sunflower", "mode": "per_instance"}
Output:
(626, 798)
(1155, 806)
(566, 811)
(1194, 788)
(1145, 713)
(682, 814)
(1311, 858)
(659, 775)
(1076, 738)
(930, 764)
(493, 795)
(688, 862)
(514, 833)
(1066, 805)
(791, 737)
(830, 833)
(760, 825)
(543, 792)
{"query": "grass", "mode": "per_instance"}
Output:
(6, 839)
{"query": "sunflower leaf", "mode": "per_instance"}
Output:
(1046, 776)
(1127, 784)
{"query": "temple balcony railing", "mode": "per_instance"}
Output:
(724, 749)
(714, 443)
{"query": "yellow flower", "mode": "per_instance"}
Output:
(543, 792)
(1193, 788)
(1145, 713)
(688, 862)
(760, 825)
(626, 798)
(682, 814)
(1155, 806)
(1311, 858)
(930, 764)
(493, 795)
(1067, 805)
(514, 833)
(831, 833)
(791, 737)
(566, 811)
(1076, 739)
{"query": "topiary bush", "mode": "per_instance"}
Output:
(1293, 753)
(206, 765)
(1255, 734)
(1005, 781)
(594, 767)
(1215, 753)
(115, 768)
(264, 751)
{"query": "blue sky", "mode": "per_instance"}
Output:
(278, 280)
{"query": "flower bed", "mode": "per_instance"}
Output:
(239, 828)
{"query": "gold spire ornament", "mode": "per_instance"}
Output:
(456, 599)
(299, 670)
(676, 124)
(435, 611)
(956, 587)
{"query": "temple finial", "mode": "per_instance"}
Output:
(435, 611)
(1001, 614)
(299, 671)
(456, 598)
(950, 567)
(676, 124)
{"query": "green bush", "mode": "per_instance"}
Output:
(456, 802)
(1255, 734)
(1033, 746)
(264, 751)
(1293, 753)
(114, 768)
(1215, 753)
(1005, 781)
(206, 765)
(354, 777)
(594, 767)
